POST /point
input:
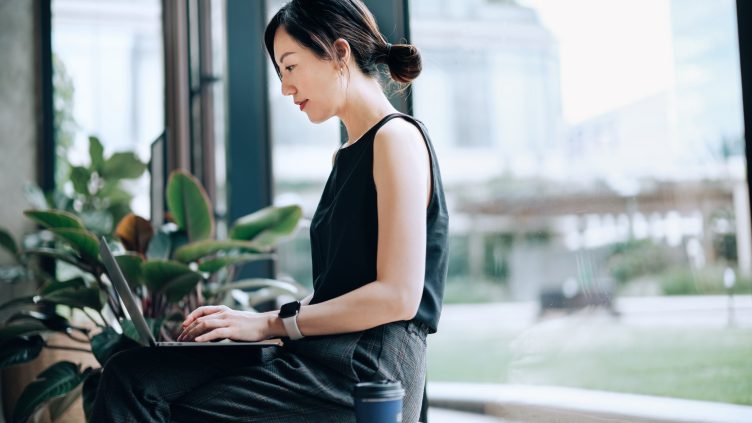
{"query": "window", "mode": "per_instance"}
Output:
(109, 81)
(595, 171)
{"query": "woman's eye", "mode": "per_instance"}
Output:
(289, 68)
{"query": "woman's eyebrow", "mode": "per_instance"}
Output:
(282, 59)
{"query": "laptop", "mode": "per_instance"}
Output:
(129, 300)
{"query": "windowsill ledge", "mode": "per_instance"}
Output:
(530, 403)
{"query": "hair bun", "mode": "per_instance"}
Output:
(404, 62)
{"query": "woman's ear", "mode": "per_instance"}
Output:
(342, 49)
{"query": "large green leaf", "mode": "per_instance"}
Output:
(21, 301)
(92, 298)
(59, 255)
(135, 232)
(215, 264)
(158, 274)
(96, 154)
(114, 192)
(83, 241)
(55, 219)
(159, 246)
(57, 380)
(80, 176)
(108, 342)
(20, 350)
(181, 286)
(7, 242)
(190, 206)
(25, 327)
(268, 225)
(155, 325)
(130, 264)
(197, 250)
(129, 328)
(51, 320)
(60, 405)
(55, 285)
(124, 165)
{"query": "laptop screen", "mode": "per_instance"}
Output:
(125, 293)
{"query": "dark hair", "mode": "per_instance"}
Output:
(316, 24)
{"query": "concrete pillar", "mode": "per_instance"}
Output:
(19, 123)
(18, 117)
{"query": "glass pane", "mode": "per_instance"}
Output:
(109, 81)
(595, 171)
(301, 160)
(218, 90)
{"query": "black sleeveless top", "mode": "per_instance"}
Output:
(344, 228)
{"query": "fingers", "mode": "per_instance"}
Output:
(202, 311)
(202, 325)
(220, 333)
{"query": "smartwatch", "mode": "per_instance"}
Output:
(289, 315)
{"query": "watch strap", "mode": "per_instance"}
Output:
(291, 327)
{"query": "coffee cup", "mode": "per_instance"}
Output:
(378, 402)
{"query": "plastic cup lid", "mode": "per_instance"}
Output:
(379, 389)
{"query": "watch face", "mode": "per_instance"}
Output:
(289, 309)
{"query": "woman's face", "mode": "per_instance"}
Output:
(313, 83)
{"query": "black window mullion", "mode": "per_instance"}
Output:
(249, 162)
(46, 169)
(744, 14)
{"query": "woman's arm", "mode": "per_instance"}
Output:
(402, 176)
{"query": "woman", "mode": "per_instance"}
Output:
(379, 245)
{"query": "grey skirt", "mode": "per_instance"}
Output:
(309, 380)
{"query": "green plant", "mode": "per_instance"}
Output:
(632, 259)
(98, 196)
(65, 123)
(680, 280)
(172, 270)
(18, 269)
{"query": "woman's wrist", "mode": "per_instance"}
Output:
(276, 327)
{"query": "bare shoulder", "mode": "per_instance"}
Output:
(401, 165)
(400, 138)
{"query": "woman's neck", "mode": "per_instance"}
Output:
(364, 107)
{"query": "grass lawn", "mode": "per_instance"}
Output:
(701, 364)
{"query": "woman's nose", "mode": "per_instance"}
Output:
(287, 89)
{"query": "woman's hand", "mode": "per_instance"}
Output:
(211, 323)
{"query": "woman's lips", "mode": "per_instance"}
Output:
(303, 104)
